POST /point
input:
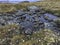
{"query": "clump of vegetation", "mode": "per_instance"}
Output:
(42, 37)
(5, 29)
(50, 6)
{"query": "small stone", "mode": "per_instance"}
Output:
(28, 31)
(23, 40)
(33, 8)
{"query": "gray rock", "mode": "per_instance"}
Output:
(28, 31)
(57, 21)
(2, 22)
(20, 12)
(47, 18)
(34, 8)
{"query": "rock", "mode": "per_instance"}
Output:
(32, 12)
(35, 8)
(47, 18)
(10, 22)
(40, 22)
(36, 25)
(46, 25)
(23, 18)
(20, 12)
(28, 31)
(2, 22)
(57, 21)
(39, 15)
(42, 12)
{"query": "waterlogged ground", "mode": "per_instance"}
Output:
(33, 26)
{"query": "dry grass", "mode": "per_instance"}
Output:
(46, 5)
